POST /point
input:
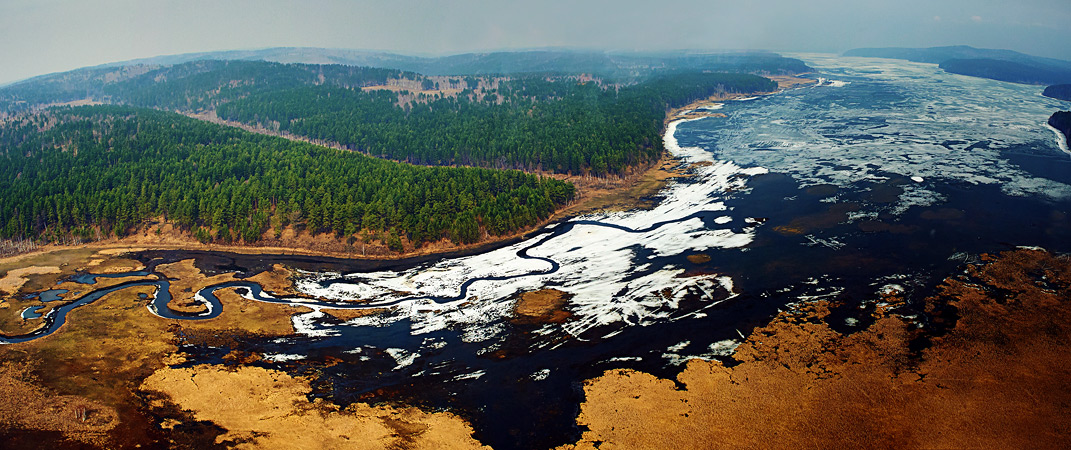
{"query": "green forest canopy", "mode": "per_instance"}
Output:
(114, 167)
(548, 122)
(110, 168)
(534, 123)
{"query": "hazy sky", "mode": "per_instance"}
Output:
(42, 36)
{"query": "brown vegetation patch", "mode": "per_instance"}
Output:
(542, 306)
(34, 272)
(75, 290)
(999, 378)
(350, 314)
(250, 316)
(831, 217)
(105, 349)
(12, 323)
(790, 81)
(262, 408)
(98, 354)
(279, 281)
(874, 226)
(698, 258)
(25, 404)
(112, 265)
(620, 194)
(186, 279)
(16, 278)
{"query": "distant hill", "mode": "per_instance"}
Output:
(1058, 91)
(605, 64)
(1010, 71)
(101, 82)
(996, 64)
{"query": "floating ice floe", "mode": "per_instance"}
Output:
(402, 357)
(895, 121)
(721, 348)
(283, 357)
(540, 375)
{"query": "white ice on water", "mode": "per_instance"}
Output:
(599, 266)
(894, 117)
(919, 124)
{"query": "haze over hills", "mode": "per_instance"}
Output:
(606, 63)
(618, 68)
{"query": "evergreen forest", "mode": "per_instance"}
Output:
(451, 157)
(81, 170)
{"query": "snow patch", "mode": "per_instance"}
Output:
(283, 357)
(540, 375)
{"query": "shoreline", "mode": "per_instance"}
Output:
(707, 107)
(1061, 139)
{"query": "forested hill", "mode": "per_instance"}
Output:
(188, 86)
(1010, 71)
(996, 64)
(613, 65)
(558, 123)
(90, 171)
(534, 123)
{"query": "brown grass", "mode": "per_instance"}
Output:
(111, 265)
(1000, 378)
(350, 314)
(698, 258)
(105, 349)
(25, 404)
(265, 409)
(542, 306)
(790, 81)
(278, 280)
(833, 215)
(186, 280)
(15, 278)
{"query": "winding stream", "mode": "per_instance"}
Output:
(253, 291)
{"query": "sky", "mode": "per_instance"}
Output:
(44, 36)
